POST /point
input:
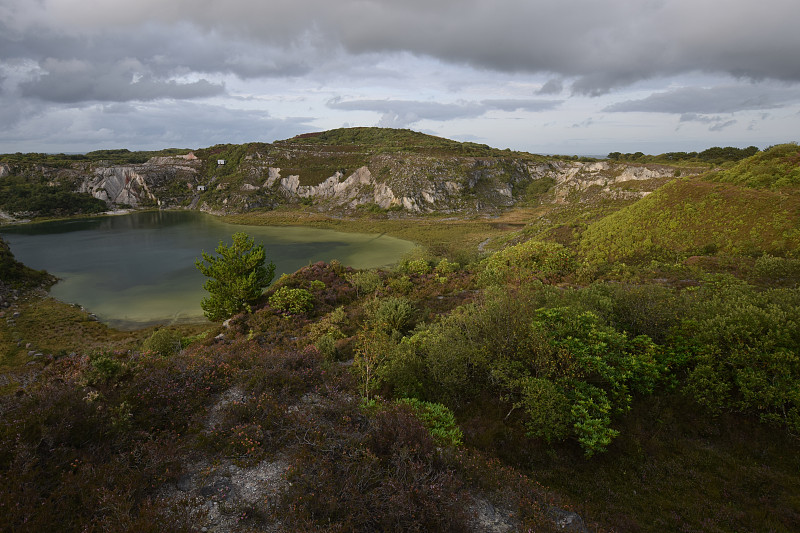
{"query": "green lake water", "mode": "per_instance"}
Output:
(138, 269)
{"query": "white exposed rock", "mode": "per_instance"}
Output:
(5, 170)
(273, 175)
(290, 184)
(428, 196)
(453, 187)
(118, 185)
(248, 187)
(384, 196)
(505, 191)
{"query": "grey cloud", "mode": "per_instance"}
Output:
(407, 108)
(694, 117)
(716, 123)
(723, 99)
(722, 125)
(148, 126)
(585, 124)
(401, 113)
(161, 53)
(552, 86)
(521, 105)
(91, 85)
(601, 45)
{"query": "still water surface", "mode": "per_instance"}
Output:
(138, 269)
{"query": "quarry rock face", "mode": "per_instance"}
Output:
(411, 182)
(118, 185)
(135, 185)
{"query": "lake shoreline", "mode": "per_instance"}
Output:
(139, 268)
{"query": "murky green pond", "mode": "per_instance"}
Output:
(138, 269)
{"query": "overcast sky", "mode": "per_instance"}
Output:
(554, 76)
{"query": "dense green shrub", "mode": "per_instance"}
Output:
(445, 267)
(593, 366)
(567, 371)
(329, 325)
(394, 315)
(326, 331)
(365, 281)
(643, 309)
(418, 267)
(776, 270)
(292, 301)
(438, 419)
(163, 342)
(401, 284)
(105, 367)
(528, 261)
(747, 350)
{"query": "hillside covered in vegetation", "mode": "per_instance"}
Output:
(590, 360)
(344, 170)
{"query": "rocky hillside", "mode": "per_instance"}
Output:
(344, 170)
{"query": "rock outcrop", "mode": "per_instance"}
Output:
(137, 185)
(346, 178)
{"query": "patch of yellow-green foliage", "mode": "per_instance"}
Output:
(776, 168)
(527, 261)
(689, 217)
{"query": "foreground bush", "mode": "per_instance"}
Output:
(292, 301)
(747, 350)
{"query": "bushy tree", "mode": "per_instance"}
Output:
(237, 277)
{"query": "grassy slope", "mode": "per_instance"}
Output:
(693, 216)
(750, 208)
(776, 168)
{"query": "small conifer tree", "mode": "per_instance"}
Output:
(236, 277)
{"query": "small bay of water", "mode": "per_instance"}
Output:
(139, 269)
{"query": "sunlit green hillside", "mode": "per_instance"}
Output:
(776, 168)
(692, 216)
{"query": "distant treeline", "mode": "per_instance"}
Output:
(714, 155)
(121, 156)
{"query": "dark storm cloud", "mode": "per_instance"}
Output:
(726, 99)
(401, 113)
(600, 45)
